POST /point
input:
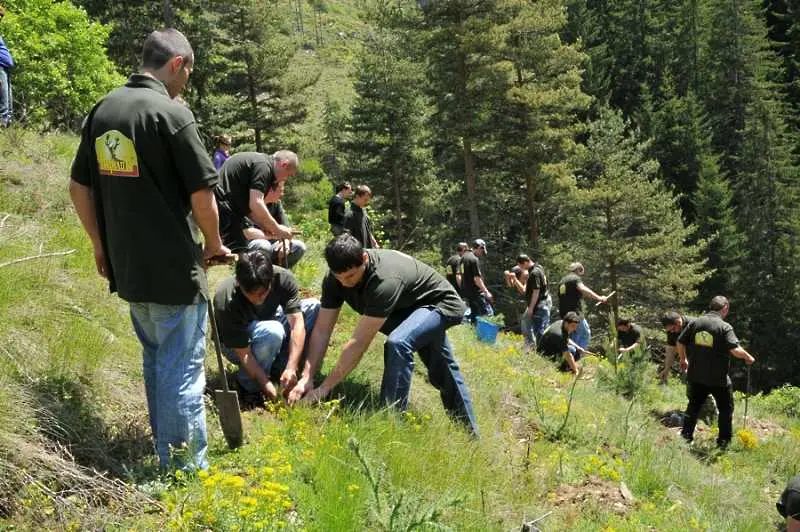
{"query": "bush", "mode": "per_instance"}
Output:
(62, 68)
(784, 401)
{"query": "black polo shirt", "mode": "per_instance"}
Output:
(536, 280)
(570, 298)
(453, 268)
(234, 312)
(336, 210)
(359, 225)
(708, 340)
(141, 155)
(394, 285)
(554, 341)
(470, 268)
(629, 337)
(672, 338)
(241, 173)
(789, 503)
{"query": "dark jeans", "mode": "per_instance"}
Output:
(479, 306)
(425, 331)
(697, 394)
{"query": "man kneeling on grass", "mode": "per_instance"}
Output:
(557, 343)
(406, 300)
(262, 323)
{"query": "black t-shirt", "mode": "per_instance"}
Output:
(672, 338)
(453, 268)
(629, 337)
(394, 285)
(277, 212)
(234, 312)
(141, 155)
(470, 268)
(708, 340)
(241, 173)
(789, 503)
(554, 341)
(359, 225)
(336, 210)
(536, 280)
(569, 297)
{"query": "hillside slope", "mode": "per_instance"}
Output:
(75, 450)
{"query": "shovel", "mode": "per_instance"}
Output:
(227, 401)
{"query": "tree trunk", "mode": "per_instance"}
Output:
(167, 13)
(533, 217)
(398, 211)
(471, 182)
(251, 92)
(612, 264)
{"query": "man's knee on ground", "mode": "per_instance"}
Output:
(266, 338)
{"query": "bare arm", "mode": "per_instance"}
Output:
(317, 347)
(681, 349)
(532, 302)
(251, 366)
(585, 290)
(458, 280)
(204, 210)
(83, 200)
(739, 352)
(261, 216)
(297, 339)
(366, 329)
(479, 283)
(792, 525)
(573, 366)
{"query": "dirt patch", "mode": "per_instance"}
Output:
(764, 429)
(604, 493)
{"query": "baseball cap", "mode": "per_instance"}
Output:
(480, 243)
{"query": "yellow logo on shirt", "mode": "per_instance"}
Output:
(562, 289)
(704, 338)
(116, 154)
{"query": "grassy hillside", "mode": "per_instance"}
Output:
(75, 450)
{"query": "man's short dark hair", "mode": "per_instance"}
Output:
(343, 253)
(571, 317)
(363, 190)
(254, 270)
(718, 303)
(342, 186)
(162, 45)
(462, 246)
(623, 321)
(522, 257)
(670, 318)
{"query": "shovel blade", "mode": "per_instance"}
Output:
(230, 417)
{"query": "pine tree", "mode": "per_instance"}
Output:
(628, 226)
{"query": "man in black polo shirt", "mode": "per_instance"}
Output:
(263, 323)
(629, 335)
(141, 184)
(337, 208)
(357, 221)
(556, 342)
(673, 324)
(789, 504)
(245, 179)
(570, 293)
(704, 347)
(406, 300)
(453, 267)
(473, 289)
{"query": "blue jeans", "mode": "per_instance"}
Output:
(425, 331)
(583, 334)
(296, 251)
(6, 104)
(269, 343)
(533, 328)
(173, 339)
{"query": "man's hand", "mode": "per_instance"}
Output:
(220, 250)
(684, 365)
(299, 390)
(288, 380)
(283, 232)
(529, 312)
(489, 297)
(100, 262)
(270, 392)
(315, 396)
(749, 359)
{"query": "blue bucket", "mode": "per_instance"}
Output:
(487, 331)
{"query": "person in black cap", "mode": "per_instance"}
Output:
(473, 289)
(789, 505)
(704, 349)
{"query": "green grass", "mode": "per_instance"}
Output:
(72, 406)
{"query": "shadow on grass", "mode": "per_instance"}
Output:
(69, 417)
